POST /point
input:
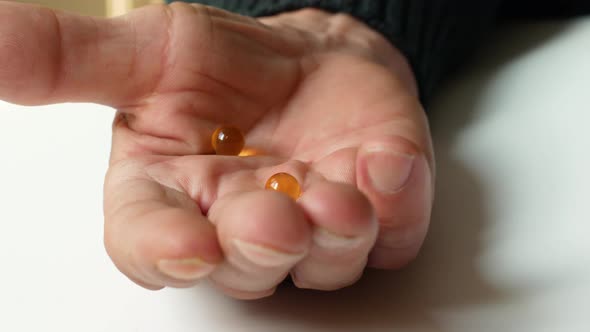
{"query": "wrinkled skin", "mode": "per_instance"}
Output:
(317, 95)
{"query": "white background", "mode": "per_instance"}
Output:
(509, 247)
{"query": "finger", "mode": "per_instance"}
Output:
(263, 235)
(396, 177)
(155, 235)
(76, 58)
(344, 231)
(229, 190)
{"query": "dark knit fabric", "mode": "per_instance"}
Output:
(435, 35)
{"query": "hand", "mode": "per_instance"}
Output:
(324, 97)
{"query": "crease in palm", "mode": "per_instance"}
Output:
(292, 103)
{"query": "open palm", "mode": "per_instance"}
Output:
(319, 96)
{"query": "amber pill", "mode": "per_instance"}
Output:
(285, 183)
(227, 141)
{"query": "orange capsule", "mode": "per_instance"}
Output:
(227, 140)
(249, 152)
(285, 183)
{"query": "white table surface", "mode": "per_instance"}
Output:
(509, 247)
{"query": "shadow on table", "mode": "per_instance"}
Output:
(445, 276)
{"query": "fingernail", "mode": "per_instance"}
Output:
(265, 256)
(185, 268)
(388, 170)
(326, 239)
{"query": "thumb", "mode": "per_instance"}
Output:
(76, 58)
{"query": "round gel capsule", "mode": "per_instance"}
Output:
(227, 141)
(285, 183)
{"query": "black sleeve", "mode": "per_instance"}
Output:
(436, 36)
(548, 9)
